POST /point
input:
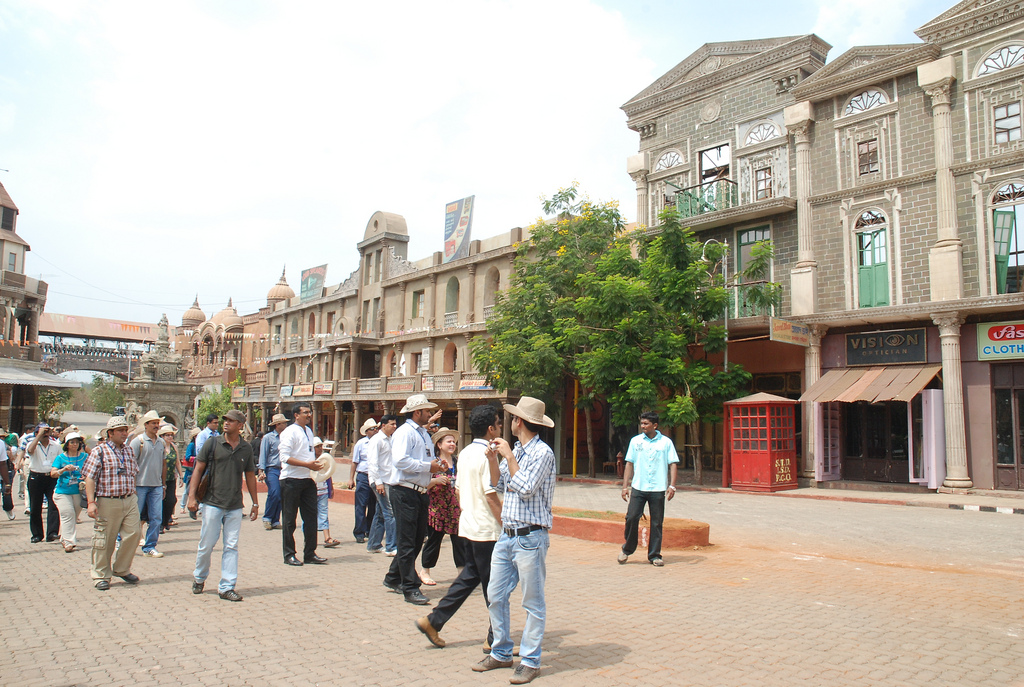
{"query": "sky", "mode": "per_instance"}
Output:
(159, 151)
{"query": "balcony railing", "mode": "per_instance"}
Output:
(711, 196)
(451, 319)
(368, 386)
(488, 312)
(440, 382)
(255, 377)
(344, 386)
(293, 344)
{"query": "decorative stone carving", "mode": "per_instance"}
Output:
(710, 111)
(712, 64)
(939, 92)
(398, 266)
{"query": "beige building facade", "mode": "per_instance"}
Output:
(891, 181)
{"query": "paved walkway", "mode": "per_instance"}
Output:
(772, 602)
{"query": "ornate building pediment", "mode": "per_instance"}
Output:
(970, 17)
(864, 66)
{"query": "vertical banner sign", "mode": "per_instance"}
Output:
(313, 281)
(458, 220)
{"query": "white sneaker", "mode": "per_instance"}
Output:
(391, 554)
(152, 554)
(10, 514)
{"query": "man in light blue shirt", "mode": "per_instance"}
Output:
(650, 474)
(270, 472)
(412, 464)
(212, 421)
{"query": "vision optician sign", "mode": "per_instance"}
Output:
(1001, 340)
(887, 348)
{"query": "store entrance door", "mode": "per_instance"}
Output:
(876, 442)
(1008, 393)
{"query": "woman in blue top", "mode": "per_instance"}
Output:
(67, 468)
(188, 463)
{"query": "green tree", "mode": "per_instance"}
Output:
(53, 403)
(104, 394)
(217, 402)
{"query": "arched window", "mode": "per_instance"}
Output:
(1008, 244)
(451, 354)
(761, 132)
(291, 373)
(492, 284)
(390, 365)
(295, 325)
(866, 100)
(1004, 58)
(871, 231)
(451, 303)
(312, 325)
(668, 160)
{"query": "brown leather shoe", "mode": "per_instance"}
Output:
(424, 626)
(490, 663)
(523, 674)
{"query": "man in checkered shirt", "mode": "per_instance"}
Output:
(109, 473)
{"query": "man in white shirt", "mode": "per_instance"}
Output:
(378, 468)
(298, 489)
(479, 521)
(41, 451)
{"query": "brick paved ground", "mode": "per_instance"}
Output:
(766, 605)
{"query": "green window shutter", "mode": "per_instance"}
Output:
(1003, 224)
(873, 268)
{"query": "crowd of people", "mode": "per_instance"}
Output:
(413, 487)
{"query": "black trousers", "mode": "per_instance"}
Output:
(656, 504)
(40, 484)
(476, 573)
(432, 548)
(170, 499)
(410, 510)
(298, 496)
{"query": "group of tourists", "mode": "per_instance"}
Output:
(413, 486)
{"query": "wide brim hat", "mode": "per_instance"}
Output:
(166, 429)
(367, 426)
(73, 435)
(67, 430)
(329, 467)
(441, 434)
(149, 417)
(530, 409)
(193, 433)
(117, 422)
(278, 419)
(417, 402)
(102, 434)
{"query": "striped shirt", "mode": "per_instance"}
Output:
(528, 495)
(113, 469)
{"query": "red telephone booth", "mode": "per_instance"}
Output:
(761, 433)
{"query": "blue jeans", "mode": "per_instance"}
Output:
(151, 502)
(322, 523)
(515, 560)
(272, 508)
(366, 504)
(383, 526)
(185, 479)
(214, 521)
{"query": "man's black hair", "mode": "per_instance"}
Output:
(480, 420)
(384, 419)
(535, 428)
(211, 417)
(650, 416)
(299, 406)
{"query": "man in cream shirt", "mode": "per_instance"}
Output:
(479, 521)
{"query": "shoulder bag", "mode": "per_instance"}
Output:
(204, 483)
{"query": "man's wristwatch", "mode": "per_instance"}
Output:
(672, 487)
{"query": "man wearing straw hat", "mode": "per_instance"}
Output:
(270, 471)
(366, 503)
(527, 478)
(412, 464)
(109, 474)
(229, 459)
(150, 481)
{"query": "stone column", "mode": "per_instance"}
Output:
(953, 401)
(460, 407)
(637, 167)
(357, 420)
(354, 364)
(430, 356)
(401, 307)
(945, 260)
(470, 310)
(431, 304)
(799, 120)
(337, 429)
(812, 373)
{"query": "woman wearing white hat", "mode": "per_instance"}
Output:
(67, 495)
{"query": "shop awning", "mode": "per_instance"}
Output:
(17, 375)
(871, 384)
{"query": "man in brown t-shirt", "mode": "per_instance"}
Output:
(228, 459)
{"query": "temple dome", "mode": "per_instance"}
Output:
(228, 317)
(194, 316)
(280, 291)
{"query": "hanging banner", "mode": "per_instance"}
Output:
(785, 331)
(313, 281)
(458, 221)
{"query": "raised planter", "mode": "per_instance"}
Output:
(607, 526)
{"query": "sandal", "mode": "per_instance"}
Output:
(331, 543)
(427, 580)
(68, 548)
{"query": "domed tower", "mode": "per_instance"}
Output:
(194, 316)
(280, 291)
(228, 318)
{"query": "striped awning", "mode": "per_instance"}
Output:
(871, 384)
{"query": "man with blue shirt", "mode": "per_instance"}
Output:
(359, 480)
(270, 471)
(210, 431)
(412, 464)
(650, 474)
(527, 478)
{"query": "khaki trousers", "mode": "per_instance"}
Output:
(114, 517)
(69, 506)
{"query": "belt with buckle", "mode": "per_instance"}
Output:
(414, 487)
(122, 496)
(522, 531)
